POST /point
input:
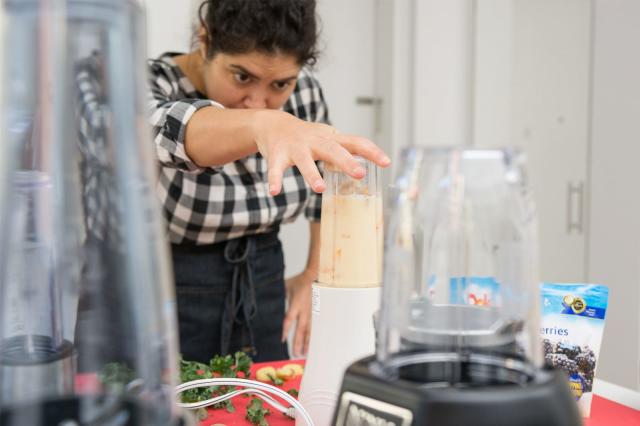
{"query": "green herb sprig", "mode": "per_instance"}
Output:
(219, 366)
(116, 375)
(256, 413)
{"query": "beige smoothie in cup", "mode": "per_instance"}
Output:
(351, 236)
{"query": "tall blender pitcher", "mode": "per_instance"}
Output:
(458, 333)
(347, 293)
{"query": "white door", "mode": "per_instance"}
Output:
(346, 68)
(551, 121)
(614, 237)
(532, 91)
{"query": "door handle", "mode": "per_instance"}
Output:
(575, 208)
(377, 104)
(368, 100)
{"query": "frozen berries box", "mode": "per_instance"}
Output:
(572, 324)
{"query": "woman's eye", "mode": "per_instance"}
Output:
(281, 85)
(241, 77)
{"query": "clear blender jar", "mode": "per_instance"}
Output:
(87, 317)
(458, 339)
(462, 257)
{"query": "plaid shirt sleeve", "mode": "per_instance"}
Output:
(169, 118)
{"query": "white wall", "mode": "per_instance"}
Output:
(1, 54)
(614, 249)
(574, 79)
(574, 103)
(559, 78)
(443, 71)
(395, 46)
(2, 83)
(170, 25)
(494, 45)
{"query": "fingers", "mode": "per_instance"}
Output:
(305, 164)
(286, 326)
(310, 172)
(316, 141)
(301, 339)
(338, 155)
(364, 148)
(298, 342)
(306, 345)
(307, 337)
(275, 169)
(302, 334)
(339, 150)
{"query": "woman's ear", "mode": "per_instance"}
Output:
(203, 42)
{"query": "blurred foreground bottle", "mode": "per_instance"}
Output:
(87, 315)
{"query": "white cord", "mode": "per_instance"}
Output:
(250, 384)
(265, 397)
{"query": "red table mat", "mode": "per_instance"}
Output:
(221, 416)
(603, 411)
(608, 413)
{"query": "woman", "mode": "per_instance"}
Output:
(230, 119)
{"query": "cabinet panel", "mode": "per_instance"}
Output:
(614, 242)
(532, 91)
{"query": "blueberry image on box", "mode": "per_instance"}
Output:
(571, 327)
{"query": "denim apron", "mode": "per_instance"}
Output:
(231, 297)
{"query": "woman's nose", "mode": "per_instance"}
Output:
(255, 100)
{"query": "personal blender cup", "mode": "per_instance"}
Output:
(347, 292)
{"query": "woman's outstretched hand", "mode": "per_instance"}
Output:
(285, 141)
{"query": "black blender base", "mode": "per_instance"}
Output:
(368, 399)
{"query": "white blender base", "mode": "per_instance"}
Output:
(342, 331)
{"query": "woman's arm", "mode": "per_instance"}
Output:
(215, 136)
(313, 262)
(299, 296)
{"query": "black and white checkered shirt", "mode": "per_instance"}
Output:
(101, 205)
(208, 205)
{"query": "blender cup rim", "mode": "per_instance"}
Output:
(331, 167)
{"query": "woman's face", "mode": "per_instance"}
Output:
(250, 80)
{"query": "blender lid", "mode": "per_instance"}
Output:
(461, 326)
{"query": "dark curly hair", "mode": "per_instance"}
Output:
(268, 26)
